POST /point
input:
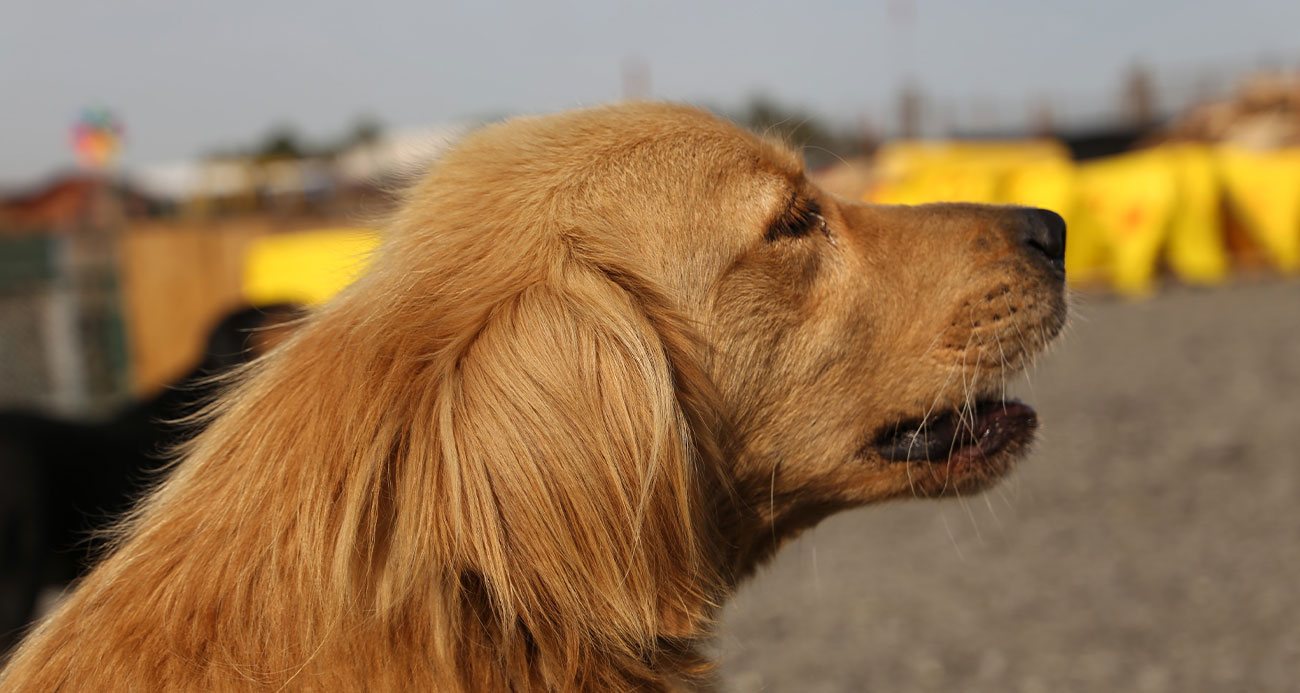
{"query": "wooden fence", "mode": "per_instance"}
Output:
(178, 280)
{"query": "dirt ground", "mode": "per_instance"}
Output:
(1150, 543)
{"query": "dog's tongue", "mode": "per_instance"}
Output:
(983, 430)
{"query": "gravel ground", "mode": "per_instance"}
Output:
(1150, 543)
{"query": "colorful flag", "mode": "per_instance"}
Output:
(96, 138)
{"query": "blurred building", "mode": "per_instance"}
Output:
(350, 181)
(69, 202)
(63, 344)
(108, 285)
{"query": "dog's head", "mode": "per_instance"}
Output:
(608, 360)
(853, 352)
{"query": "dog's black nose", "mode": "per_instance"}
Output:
(1043, 232)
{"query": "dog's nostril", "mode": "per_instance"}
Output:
(1044, 232)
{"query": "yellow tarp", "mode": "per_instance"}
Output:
(919, 172)
(1196, 250)
(1125, 213)
(1126, 203)
(305, 267)
(898, 159)
(1264, 189)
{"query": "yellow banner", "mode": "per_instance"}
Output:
(1196, 251)
(1264, 190)
(305, 267)
(1125, 203)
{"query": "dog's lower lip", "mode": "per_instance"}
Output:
(984, 430)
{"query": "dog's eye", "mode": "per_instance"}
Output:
(799, 219)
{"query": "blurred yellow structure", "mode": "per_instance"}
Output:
(1195, 247)
(1127, 214)
(919, 172)
(305, 267)
(1264, 189)
(1123, 208)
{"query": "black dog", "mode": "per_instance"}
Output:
(62, 480)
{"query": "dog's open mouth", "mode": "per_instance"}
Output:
(984, 430)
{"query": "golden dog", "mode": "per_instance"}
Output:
(606, 362)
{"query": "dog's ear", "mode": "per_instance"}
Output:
(553, 473)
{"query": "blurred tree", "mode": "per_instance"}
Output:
(910, 105)
(1139, 98)
(366, 130)
(283, 142)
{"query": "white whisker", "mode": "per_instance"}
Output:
(951, 537)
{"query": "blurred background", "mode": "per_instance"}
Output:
(175, 177)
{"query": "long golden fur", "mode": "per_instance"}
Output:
(605, 363)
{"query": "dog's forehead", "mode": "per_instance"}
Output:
(744, 177)
(694, 133)
(765, 168)
(779, 158)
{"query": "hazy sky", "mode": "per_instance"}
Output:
(188, 77)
